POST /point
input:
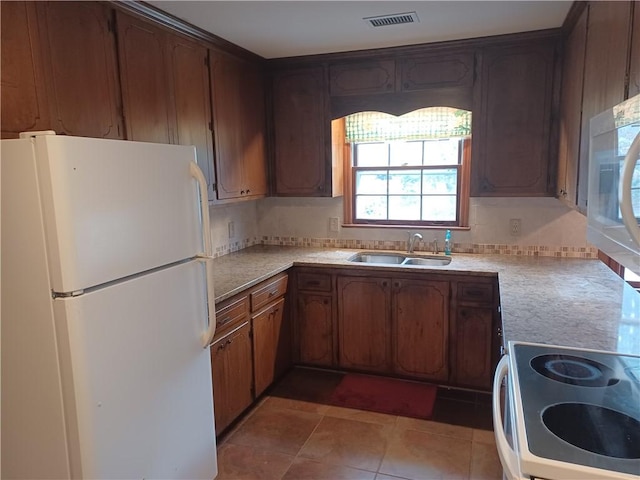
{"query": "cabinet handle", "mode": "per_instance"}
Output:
(248, 191)
(229, 342)
(273, 293)
(221, 346)
(384, 284)
(275, 310)
(397, 284)
(325, 301)
(241, 192)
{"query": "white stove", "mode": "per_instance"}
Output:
(569, 413)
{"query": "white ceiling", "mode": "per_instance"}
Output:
(292, 28)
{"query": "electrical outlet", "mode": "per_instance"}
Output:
(232, 230)
(514, 226)
(334, 224)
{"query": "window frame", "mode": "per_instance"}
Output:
(462, 198)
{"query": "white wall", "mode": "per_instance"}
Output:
(546, 222)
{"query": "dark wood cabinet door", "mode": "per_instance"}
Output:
(239, 127)
(144, 78)
(189, 75)
(473, 347)
(361, 78)
(313, 330)
(420, 328)
(22, 87)
(84, 89)
(606, 61)
(254, 133)
(232, 374)
(364, 304)
(571, 110)
(512, 124)
(267, 326)
(437, 71)
(634, 65)
(302, 163)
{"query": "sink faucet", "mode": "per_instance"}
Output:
(412, 241)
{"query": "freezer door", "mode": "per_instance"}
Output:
(136, 381)
(113, 208)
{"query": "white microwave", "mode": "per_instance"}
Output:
(613, 207)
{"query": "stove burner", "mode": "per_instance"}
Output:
(595, 429)
(573, 370)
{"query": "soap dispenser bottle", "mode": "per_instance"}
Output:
(447, 243)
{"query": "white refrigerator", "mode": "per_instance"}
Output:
(107, 311)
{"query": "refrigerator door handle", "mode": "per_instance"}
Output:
(207, 336)
(626, 207)
(204, 206)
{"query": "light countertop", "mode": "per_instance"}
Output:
(562, 301)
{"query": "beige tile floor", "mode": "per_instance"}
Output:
(289, 439)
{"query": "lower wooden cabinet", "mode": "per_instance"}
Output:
(420, 329)
(270, 338)
(473, 338)
(314, 330)
(363, 327)
(232, 374)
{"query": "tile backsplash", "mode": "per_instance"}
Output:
(548, 228)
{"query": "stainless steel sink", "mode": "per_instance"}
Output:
(389, 258)
(400, 259)
(427, 261)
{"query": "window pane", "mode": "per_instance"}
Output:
(404, 207)
(404, 182)
(406, 153)
(441, 152)
(372, 155)
(371, 207)
(440, 181)
(439, 208)
(371, 181)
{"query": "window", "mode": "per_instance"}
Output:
(409, 170)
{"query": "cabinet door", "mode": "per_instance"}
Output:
(360, 78)
(473, 340)
(634, 66)
(420, 328)
(571, 110)
(606, 57)
(313, 330)
(189, 75)
(232, 375)
(267, 327)
(239, 126)
(437, 71)
(301, 129)
(145, 83)
(22, 91)
(84, 89)
(364, 304)
(511, 130)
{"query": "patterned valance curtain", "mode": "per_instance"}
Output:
(426, 123)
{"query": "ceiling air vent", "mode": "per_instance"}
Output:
(392, 19)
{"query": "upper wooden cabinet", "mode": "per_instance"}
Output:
(358, 78)
(512, 121)
(634, 66)
(81, 67)
(22, 89)
(436, 71)
(59, 69)
(302, 134)
(239, 127)
(605, 72)
(165, 87)
(571, 110)
(145, 81)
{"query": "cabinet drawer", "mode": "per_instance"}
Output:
(268, 292)
(232, 312)
(475, 293)
(316, 282)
